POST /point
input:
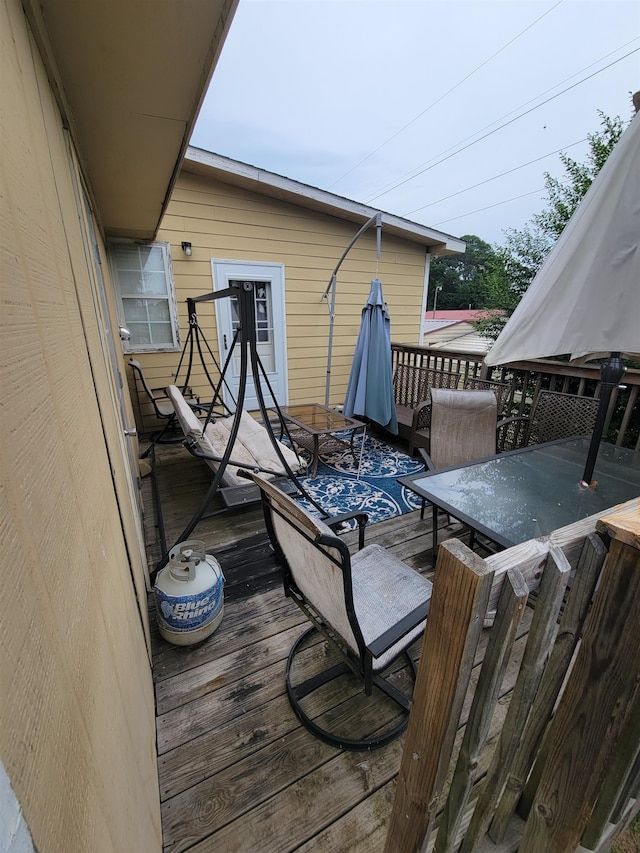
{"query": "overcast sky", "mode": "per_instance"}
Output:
(375, 99)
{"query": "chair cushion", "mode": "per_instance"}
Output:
(385, 590)
(252, 448)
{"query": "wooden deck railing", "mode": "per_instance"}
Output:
(622, 426)
(563, 773)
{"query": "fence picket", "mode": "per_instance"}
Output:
(451, 636)
(578, 600)
(593, 709)
(511, 605)
(541, 634)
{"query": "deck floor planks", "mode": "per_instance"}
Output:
(237, 771)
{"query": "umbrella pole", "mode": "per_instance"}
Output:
(611, 372)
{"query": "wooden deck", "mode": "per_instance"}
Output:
(237, 771)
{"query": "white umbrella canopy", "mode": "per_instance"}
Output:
(585, 299)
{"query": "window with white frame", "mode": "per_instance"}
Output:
(142, 274)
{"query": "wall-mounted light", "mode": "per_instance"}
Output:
(186, 248)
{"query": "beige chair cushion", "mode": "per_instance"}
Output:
(253, 447)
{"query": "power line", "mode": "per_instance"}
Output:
(495, 177)
(448, 92)
(500, 127)
(413, 172)
(488, 207)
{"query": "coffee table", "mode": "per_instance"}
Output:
(523, 494)
(315, 429)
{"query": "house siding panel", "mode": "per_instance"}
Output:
(231, 223)
(77, 734)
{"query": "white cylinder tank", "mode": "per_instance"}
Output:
(189, 594)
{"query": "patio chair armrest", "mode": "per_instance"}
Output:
(511, 432)
(399, 630)
(422, 415)
(426, 459)
(361, 517)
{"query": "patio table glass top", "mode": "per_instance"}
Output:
(318, 419)
(527, 493)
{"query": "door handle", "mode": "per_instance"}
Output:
(224, 341)
(130, 431)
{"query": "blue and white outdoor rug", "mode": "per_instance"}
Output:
(377, 492)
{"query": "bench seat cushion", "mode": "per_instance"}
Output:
(253, 447)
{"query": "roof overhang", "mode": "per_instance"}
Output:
(129, 77)
(257, 180)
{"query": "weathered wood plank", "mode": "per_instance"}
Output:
(543, 626)
(458, 605)
(194, 683)
(619, 767)
(569, 632)
(302, 809)
(529, 557)
(511, 606)
(601, 685)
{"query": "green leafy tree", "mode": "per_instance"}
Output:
(525, 250)
(462, 278)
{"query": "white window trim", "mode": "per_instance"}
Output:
(171, 292)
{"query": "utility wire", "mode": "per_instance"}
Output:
(500, 127)
(495, 177)
(413, 172)
(489, 206)
(448, 92)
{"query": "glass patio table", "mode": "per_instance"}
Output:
(527, 493)
(316, 428)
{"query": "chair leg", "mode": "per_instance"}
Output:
(337, 710)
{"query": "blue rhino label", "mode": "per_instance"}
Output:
(189, 612)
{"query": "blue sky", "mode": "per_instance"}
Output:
(387, 102)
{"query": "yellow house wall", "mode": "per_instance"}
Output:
(77, 723)
(229, 223)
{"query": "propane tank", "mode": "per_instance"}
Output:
(188, 593)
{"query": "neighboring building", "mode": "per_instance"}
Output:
(241, 222)
(453, 331)
(98, 102)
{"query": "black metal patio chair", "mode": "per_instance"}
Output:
(369, 608)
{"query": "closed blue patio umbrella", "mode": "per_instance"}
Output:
(370, 389)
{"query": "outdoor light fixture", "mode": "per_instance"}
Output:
(186, 248)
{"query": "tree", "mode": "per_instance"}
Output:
(463, 278)
(526, 249)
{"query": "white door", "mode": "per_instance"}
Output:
(269, 313)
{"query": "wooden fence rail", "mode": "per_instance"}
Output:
(526, 378)
(564, 774)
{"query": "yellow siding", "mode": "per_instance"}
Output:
(229, 223)
(77, 733)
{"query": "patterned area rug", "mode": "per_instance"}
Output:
(337, 488)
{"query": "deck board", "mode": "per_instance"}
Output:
(237, 770)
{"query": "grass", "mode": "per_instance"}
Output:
(629, 841)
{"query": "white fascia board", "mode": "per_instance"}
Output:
(242, 174)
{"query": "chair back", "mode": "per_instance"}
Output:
(316, 563)
(500, 389)
(558, 415)
(412, 385)
(463, 426)
(137, 370)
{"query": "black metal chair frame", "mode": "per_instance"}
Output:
(361, 665)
